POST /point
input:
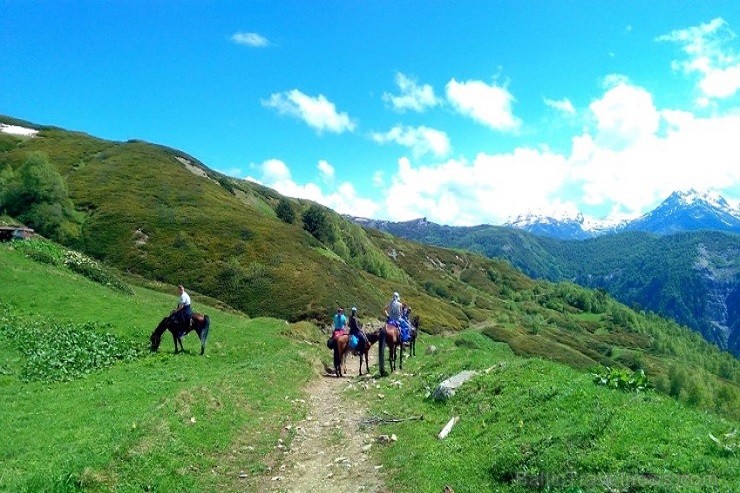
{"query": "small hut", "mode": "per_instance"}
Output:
(8, 233)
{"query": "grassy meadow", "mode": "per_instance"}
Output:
(159, 422)
(154, 422)
(527, 424)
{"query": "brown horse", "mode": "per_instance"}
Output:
(341, 348)
(389, 336)
(200, 324)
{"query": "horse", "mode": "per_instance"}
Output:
(389, 336)
(341, 348)
(412, 342)
(200, 324)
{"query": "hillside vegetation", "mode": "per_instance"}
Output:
(135, 421)
(159, 214)
(693, 278)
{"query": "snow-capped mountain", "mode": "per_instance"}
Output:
(563, 226)
(681, 211)
(689, 211)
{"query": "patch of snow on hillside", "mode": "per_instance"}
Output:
(16, 130)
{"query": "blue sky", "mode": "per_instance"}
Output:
(464, 112)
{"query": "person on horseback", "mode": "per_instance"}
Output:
(182, 313)
(393, 311)
(355, 330)
(340, 321)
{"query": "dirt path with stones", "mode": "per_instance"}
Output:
(330, 453)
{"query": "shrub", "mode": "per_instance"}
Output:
(94, 271)
(285, 211)
(56, 352)
(41, 251)
(623, 380)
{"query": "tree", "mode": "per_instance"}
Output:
(285, 211)
(37, 196)
(317, 222)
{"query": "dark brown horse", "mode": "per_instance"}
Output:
(200, 324)
(389, 336)
(341, 348)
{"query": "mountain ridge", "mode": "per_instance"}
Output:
(688, 210)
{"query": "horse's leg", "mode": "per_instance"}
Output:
(400, 363)
(174, 338)
(335, 352)
(367, 364)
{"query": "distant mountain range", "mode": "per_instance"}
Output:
(681, 260)
(681, 211)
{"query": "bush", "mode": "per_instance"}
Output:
(56, 353)
(285, 211)
(94, 271)
(41, 251)
(623, 380)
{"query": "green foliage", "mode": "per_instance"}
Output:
(531, 425)
(41, 250)
(63, 352)
(94, 271)
(137, 424)
(284, 211)
(316, 221)
(37, 196)
(616, 378)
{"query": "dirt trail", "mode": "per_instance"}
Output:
(330, 453)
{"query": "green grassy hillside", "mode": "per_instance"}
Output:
(690, 277)
(147, 422)
(162, 215)
(531, 425)
(188, 423)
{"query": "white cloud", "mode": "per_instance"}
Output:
(274, 173)
(421, 140)
(486, 104)
(412, 97)
(563, 105)
(326, 171)
(250, 39)
(488, 190)
(704, 45)
(633, 156)
(624, 115)
(319, 113)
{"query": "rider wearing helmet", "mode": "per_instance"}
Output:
(355, 328)
(394, 311)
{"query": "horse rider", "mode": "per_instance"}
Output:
(355, 330)
(406, 312)
(393, 311)
(182, 313)
(340, 321)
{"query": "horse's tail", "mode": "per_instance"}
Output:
(204, 333)
(381, 351)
